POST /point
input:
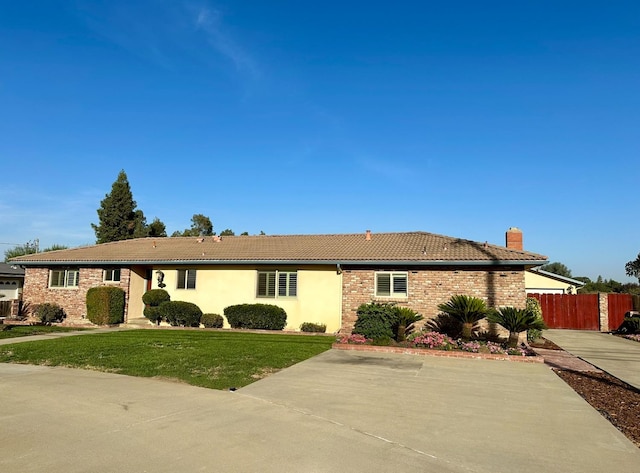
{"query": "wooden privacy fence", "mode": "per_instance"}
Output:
(584, 311)
(5, 308)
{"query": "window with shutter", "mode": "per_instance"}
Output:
(391, 284)
(277, 284)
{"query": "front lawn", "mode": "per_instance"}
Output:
(13, 331)
(218, 360)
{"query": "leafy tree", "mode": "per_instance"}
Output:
(200, 226)
(29, 248)
(119, 219)
(557, 268)
(633, 268)
(244, 234)
(156, 228)
(227, 232)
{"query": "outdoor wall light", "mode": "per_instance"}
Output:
(160, 275)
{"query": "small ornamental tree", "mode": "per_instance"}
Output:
(105, 305)
(468, 310)
(515, 321)
(152, 300)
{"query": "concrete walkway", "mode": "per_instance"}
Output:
(615, 355)
(339, 411)
(52, 335)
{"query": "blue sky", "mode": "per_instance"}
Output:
(461, 118)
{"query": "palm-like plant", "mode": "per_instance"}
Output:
(516, 321)
(468, 310)
(406, 318)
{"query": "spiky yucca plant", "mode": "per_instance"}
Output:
(468, 310)
(516, 321)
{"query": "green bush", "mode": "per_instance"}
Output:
(212, 320)
(49, 313)
(155, 297)
(105, 305)
(256, 316)
(533, 306)
(180, 313)
(468, 310)
(153, 314)
(311, 327)
(376, 320)
(629, 326)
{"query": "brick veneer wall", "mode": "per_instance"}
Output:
(429, 287)
(73, 300)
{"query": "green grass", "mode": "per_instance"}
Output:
(218, 360)
(13, 331)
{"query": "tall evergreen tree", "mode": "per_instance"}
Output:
(157, 228)
(119, 218)
(200, 226)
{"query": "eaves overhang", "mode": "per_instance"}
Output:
(323, 262)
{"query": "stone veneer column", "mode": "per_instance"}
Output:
(603, 308)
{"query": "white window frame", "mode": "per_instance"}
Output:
(395, 279)
(188, 282)
(70, 278)
(277, 284)
(109, 275)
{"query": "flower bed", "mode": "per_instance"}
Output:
(438, 344)
(635, 338)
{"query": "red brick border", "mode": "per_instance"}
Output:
(442, 353)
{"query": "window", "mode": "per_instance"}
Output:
(277, 284)
(186, 279)
(111, 275)
(391, 284)
(64, 277)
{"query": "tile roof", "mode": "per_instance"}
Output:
(409, 248)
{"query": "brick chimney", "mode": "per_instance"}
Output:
(514, 239)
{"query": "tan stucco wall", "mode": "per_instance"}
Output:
(318, 299)
(137, 287)
(539, 283)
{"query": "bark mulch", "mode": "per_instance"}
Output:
(617, 401)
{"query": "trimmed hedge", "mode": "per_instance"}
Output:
(212, 320)
(180, 313)
(313, 328)
(105, 305)
(49, 313)
(256, 316)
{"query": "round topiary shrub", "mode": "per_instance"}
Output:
(105, 305)
(212, 320)
(49, 313)
(180, 313)
(155, 297)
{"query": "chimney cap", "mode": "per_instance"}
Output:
(367, 235)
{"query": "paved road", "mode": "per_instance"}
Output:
(340, 411)
(615, 355)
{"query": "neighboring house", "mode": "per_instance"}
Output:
(543, 282)
(315, 278)
(11, 280)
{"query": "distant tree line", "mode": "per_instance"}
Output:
(600, 284)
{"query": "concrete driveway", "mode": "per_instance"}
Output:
(615, 355)
(340, 411)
